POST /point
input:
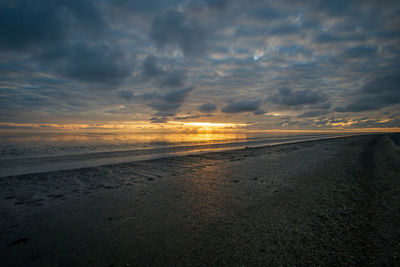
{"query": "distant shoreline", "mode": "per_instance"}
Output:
(43, 163)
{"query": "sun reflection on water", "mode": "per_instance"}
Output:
(173, 138)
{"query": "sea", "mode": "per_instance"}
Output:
(36, 152)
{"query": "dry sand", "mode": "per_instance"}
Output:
(330, 202)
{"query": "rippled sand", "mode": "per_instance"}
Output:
(329, 202)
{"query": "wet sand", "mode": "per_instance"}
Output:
(327, 202)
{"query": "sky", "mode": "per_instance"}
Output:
(255, 65)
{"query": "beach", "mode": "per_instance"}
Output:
(324, 202)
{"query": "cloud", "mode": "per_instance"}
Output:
(284, 30)
(372, 102)
(159, 120)
(362, 105)
(293, 49)
(312, 113)
(324, 105)
(217, 4)
(164, 78)
(360, 51)
(190, 117)
(364, 122)
(125, 94)
(177, 96)
(202, 5)
(208, 107)
(267, 13)
(150, 69)
(337, 7)
(27, 24)
(243, 106)
(167, 104)
(174, 29)
(91, 63)
(385, 83)
(173, 79)
(288, 97)
(326, 37)
(143, 6)
(380, 92)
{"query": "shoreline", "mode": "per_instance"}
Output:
(37, 164)
(325, 202)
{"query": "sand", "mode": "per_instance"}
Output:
(327, 202)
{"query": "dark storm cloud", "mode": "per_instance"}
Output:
(177, 96)
(159, 120)
(125, 94)
(143, 6)
(98, 63)
(150, 69)
(217, 4)
(208, 107)
(26, 24)
(198, 5)
(294, 49)
(385, 83)
(173, 79)
(288, 97)
(267, 13)
(360, 51)
(336, 8)
(323, 105)
(243, 106)
(362, 105)
(167, 104)
(11, 67)
(380, 92)
(165, 78)
(313, 113)
(174, 29)
(326, 37)
(44, 31)
(284, 30)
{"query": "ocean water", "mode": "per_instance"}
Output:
(34, 152)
